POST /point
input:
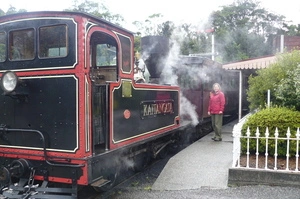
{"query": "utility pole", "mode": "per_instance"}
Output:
(212, 30)
(213, 46)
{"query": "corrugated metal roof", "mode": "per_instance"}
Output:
(257, 63)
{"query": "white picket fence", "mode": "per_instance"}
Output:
(266, 137)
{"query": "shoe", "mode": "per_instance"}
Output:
(217, 139)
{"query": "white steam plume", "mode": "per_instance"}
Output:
(168, 76)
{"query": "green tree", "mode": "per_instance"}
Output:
(94, 8)
(137, 43)
(166, 29)
(288, 89)
(290, 30)
(241, 30)
(153, 25)
(192, 41)
(2, 12)
(275, 78)
(11, 10)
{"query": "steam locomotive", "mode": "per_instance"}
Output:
(72, 110)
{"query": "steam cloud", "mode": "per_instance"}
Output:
(171, 70)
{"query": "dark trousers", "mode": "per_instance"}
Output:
(217, 122)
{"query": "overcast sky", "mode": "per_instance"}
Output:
(187, 11)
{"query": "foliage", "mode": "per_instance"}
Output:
(244, 45)
(290, 30)
(271, 118)
(273, 79)
(288, 90)
(154, 25)
(94, 8)
(11, 10)
(192, 42)
(166, 29)
(137, 44)
(241, 30)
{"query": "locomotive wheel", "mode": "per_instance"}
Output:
(4, 176)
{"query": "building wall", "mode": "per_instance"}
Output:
(290, 43)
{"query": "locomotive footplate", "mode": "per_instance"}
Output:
(27, 191)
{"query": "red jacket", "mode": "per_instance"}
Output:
(216, 102)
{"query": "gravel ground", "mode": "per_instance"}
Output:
(139, 187)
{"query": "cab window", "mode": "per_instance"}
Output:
(21, 45)
(126, 53)
(106, 55)
(104, 58)
(2, 46)
(53, 41)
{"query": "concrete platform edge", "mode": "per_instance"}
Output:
(245, 176)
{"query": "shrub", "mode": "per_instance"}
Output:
(288, 90)
(280, 117)
(280, 77)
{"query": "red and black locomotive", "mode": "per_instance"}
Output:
(71, 110)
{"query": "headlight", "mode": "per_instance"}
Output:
(9, 81)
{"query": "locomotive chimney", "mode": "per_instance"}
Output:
(154, 51)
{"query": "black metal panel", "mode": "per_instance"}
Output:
(140, 121)
(36, 23)
(47, 104)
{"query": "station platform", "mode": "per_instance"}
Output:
(204, 164)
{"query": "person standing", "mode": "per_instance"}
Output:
(216, 109)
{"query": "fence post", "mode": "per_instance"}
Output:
(257, 146)
(236, 132)
(248, 140)
(266, 154)
(297, 149)
(276, 148)
(288, 135)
